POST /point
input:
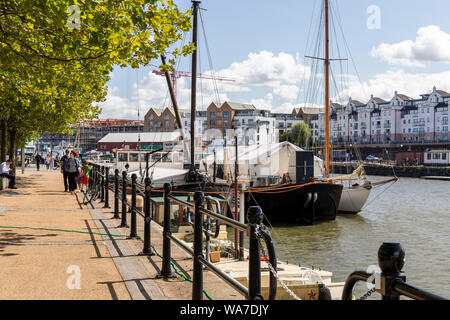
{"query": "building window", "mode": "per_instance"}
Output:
(167, 129)
(167, 123)
(212, 114)
(225, 114)
(225, 123)
(151, 117)
(166, 116)
(429, 156)
(212, 122)
(444, 156)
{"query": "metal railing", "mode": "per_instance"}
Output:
(254, 229)
(391, 283)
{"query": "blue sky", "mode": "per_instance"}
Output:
(261, 44)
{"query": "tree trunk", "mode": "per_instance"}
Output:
(3, 141)
(12, 150)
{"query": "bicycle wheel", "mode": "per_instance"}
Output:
(90, 193)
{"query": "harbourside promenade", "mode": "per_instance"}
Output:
(54, 247)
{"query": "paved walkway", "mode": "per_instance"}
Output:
(44, 264)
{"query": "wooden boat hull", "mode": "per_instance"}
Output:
(296, 204)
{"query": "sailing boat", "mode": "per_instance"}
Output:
(308, 199)
(355, 195)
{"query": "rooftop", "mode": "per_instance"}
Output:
(142, 137)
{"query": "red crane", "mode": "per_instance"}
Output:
(174, 75)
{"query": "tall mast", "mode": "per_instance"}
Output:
(194, 82)
(327, 93)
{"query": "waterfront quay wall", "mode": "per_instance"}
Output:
(388, 170)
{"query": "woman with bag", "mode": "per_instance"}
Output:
(73, 167)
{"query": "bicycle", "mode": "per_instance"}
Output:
(90, 191)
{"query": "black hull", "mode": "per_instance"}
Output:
(289, 203)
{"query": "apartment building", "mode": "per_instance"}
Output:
(90, 132)
(164, 120)
(254, 126)
(400, 120)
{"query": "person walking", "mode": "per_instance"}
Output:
(65, 158)
(73, 166)
(38, 160)
(6, 172)
(47, 161)
(52, 162)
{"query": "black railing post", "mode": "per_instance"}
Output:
(391, 258)
(197, 287)
(166, 271)
(124, 200)
(116, 194)
(133, 233)
(254, 218)
(106, 188)
(102, 189)
(147, 250)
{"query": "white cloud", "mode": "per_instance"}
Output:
(264, 69)
(431, 45)
(262, 103)
(277, 72)
(116, 107)
(287, 93)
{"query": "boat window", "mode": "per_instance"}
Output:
(123, 157)
(134, 157)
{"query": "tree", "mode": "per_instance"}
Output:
(56, 55)
(300, 135)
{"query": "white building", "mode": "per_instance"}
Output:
(400, 120)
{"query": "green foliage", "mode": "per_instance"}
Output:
(300, 135)
(56, 55)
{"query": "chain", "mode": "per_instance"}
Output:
(273, 271)
(367, 294)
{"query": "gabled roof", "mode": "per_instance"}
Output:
(240, 106)
(336, 105)
(443, 93)
(379, 100)
(356, 102)
(404, 97)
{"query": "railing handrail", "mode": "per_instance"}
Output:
(110, 182)
(391, 284)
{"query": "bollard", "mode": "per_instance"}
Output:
(133, 233)
(391, 258)
(147, 250)
(116, 194)
(390, 284)
(166, 271)
(102, 189)
(124, 200)
(254, 218)
(197, 287)
(106, 188)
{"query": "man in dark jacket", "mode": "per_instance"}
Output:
(38, 160)
(65, 170)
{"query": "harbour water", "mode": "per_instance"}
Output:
(414, 212)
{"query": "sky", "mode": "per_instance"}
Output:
(401, 45)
